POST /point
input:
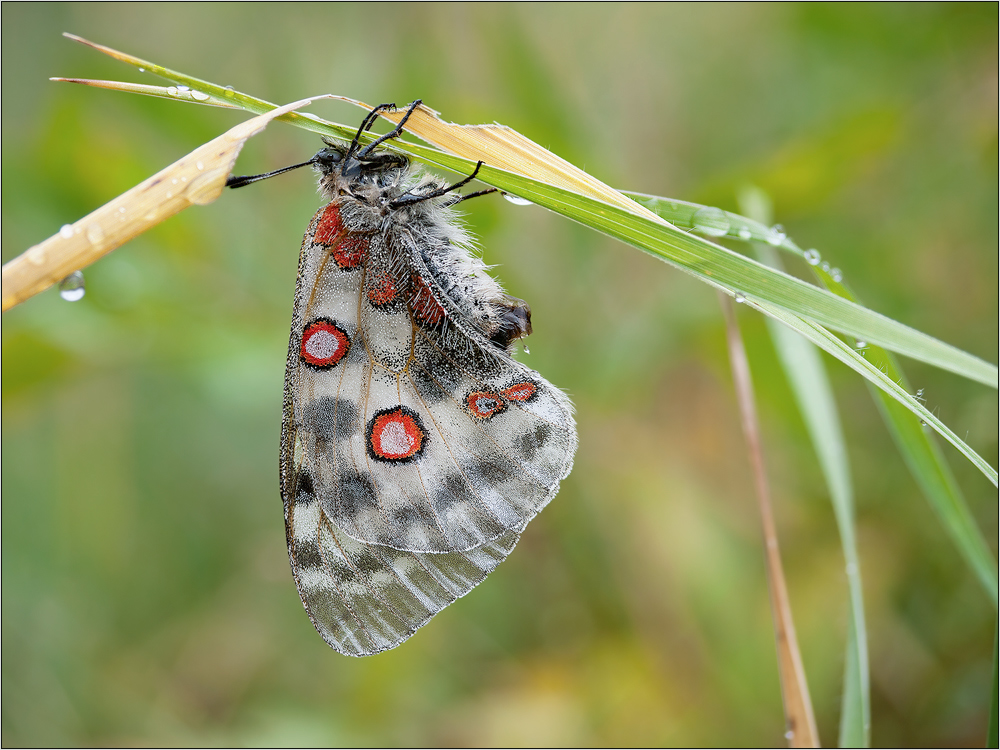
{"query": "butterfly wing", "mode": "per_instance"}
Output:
(414, 450)
(366, 598)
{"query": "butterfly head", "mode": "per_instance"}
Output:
(342, 168)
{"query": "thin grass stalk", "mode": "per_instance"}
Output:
(799, 718)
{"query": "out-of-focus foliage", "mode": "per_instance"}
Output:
(146, 592)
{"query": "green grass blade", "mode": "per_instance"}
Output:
(805, 372)
(830, 343)
(920, 452)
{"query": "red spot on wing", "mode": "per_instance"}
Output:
(483, 404)
(395, 434)
(381, 287)
(324, 344)
(351, 251)
(519, 391)
(329, 225)
(425, 308)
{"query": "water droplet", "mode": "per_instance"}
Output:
(72, 287)
(170, 194)
(789, 734)
(745, 233)
(812, 257)
(230, 91)
(923, 423)
(142, 70)
(172, 90)
(121, 210)
(184, 88)
(920, 394)
(859, 344)
(230, 88)
(36, 255)
(200, 165)
(825, 266)
(526, 349)
(836, 274)
(776, 236)
(516, 200)
(200, 96)
(173, 181)
(66, 231)
(95, 234)
(740, 298)
(711, 221)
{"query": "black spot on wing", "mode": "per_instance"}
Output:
(304, 491)
(357, 494)
(307, 555)
(410, 516)
(488, 471)
(430, 390)
(331, 418)
(531, 441)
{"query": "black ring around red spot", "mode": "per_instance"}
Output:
(395, 435)
(324, 344)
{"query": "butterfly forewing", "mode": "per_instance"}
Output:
(414, 448)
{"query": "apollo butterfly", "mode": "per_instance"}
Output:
(414, 448)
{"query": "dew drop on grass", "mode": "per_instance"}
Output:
(711, 221)
(199, 96)
(812, 257)
(95, 235)
(825, 266)
(859, 344)
(66, 231)
(172, 90)
(516, 200)
(836, 274)
(740, 298)
(776, 236)
(184, 88)
(744, 233)
(72, 287)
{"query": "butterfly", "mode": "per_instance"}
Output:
(414, 448)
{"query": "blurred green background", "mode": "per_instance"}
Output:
(147, 598)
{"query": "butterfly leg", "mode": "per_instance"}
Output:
(410, 199)
(394, 133)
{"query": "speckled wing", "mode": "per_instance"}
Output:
(414, 450)
(366, 598)
(418, 432)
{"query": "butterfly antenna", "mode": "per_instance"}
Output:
(394, 133)
(409, 199)
(238, 181)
